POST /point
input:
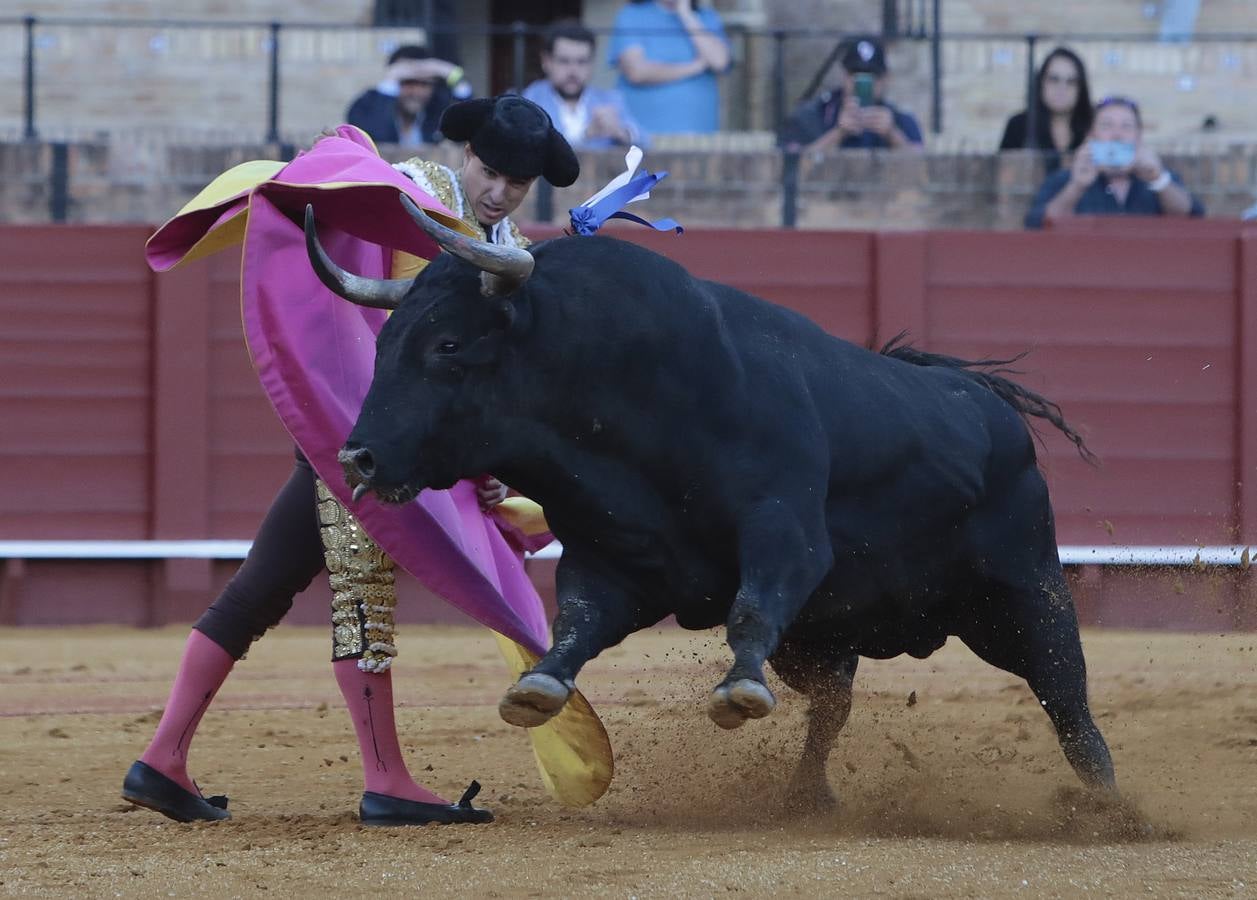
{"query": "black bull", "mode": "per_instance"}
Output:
(706, 454)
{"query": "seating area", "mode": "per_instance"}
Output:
(169, 106)
(213, 80)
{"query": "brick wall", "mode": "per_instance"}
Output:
(190, 80)
(730, 181)
(147, 77)
(1176, 85)
(205, 10)
(1066, 16)
(984, 81)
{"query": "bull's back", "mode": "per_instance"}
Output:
(907, 448)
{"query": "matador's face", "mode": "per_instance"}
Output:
(493, 195)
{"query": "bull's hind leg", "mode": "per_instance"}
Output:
(1032, 632)
(783, 559)
(825, 677)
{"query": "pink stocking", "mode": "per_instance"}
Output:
(369, 696)
(202, 671)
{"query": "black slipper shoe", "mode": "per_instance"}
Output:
(381, 809)
(145, 786)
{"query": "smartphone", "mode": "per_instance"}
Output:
(864, 88)
(1112, 154)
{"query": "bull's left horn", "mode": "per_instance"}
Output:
(511, 263)
(377, 293)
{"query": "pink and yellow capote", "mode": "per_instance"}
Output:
(314, 354)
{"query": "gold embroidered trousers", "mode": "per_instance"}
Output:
(364, 595)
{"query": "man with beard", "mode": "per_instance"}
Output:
(405, 108)
(590, 118)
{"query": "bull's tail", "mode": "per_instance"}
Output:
(990, 374)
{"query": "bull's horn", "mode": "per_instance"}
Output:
(377, 293)
(511, 263)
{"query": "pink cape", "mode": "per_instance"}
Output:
(314, 354)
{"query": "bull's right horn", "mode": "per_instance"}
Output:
(377, 293)
(511, 263)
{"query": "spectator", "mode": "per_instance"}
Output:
(1062, 116)
(855, 115)
(589, 117)
(405, 108)
(669, 55)
(1114, 173)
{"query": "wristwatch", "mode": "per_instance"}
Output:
(1161, 182)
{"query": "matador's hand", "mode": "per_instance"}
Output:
(490, 492)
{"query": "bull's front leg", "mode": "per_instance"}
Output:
(595, 612)
(783, 559)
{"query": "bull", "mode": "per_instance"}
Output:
(705, 454)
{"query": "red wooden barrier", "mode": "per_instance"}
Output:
(131, 411)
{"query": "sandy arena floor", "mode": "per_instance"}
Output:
(963, 794)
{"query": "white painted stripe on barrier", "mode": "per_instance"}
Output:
(1075, 555)
(1176, 555)
(1071, 555)
(124, 549)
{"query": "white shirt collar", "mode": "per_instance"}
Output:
(573, 121)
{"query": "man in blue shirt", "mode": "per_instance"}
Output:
(589, 117)
(853, 116)
(1113, 174)
(669, 55)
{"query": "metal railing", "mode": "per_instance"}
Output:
(31, 25)
(775, 51)
(909, 18)
(911, 26)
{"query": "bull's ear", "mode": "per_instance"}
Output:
(503, 314)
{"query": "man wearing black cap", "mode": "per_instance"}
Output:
(855, 115)
(509, 143)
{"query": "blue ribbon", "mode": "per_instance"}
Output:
(588, 219)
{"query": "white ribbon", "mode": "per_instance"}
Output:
(632, 160)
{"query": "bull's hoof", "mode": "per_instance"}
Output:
(732, 704)
(533, 700)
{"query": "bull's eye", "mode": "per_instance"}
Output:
(447, 347)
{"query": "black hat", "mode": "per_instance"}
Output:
(514, 136)
(864, 54)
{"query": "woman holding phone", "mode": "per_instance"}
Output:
(1062, 114)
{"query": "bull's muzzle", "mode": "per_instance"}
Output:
(359, 467)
